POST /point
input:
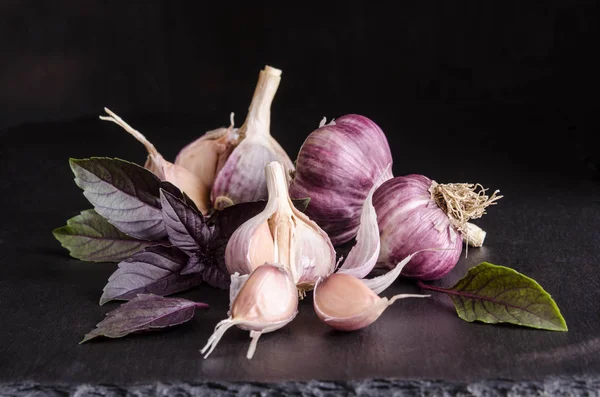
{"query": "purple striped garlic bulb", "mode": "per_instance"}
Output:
(336, 167)
(415, 213)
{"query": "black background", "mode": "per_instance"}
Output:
(501, 93)
(518, 77)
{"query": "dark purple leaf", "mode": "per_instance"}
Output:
(185, 226)
(126, 194)
(155, 270)
(230, 218)
(90, 237)
(145, 312)
(195, 264)
(216, 277)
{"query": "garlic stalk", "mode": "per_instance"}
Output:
(165, 170)
(262, 302)
(281, 234)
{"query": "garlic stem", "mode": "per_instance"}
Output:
(473, 235)
(282, 224)
(258, 120)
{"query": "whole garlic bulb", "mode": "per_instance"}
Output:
(281, 234)
(231, 161)
(415, 213)
(336, 167)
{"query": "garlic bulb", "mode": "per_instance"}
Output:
(345, 303)
(265, 302)
(165, 170)
(281, 234)
(416, 213)
(231, 161)
(336, 167)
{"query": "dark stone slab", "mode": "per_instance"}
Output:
(546, 227)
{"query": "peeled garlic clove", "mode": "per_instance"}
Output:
(336, 167)
(281, 234)
(265, 302)
(345, 303)
(242, 177)
(416, 213)
(165, 170)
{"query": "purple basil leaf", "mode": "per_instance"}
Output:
(145, 312)
(90, 237)
(155, 270)
(125, 193)
(185, 226)
(195, 264)
(216, 277)
(230, 218)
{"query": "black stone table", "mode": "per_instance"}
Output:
(546, 226)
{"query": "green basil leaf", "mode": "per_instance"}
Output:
(90, 237)
(497, 294)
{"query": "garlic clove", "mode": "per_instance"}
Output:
(242, 176)
(165, 170)
(206, 156)
(284, 232)
(263, 302)
(363, 256)
(345, 303)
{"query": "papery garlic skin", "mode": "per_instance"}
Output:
(336, 167)
(242, 177)
(265, 302)
(179, 176)
(281, 234)
(345, 303)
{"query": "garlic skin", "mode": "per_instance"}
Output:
(336, 167)
(345, 303)
(281, 234)
(165, 170)
(262, 302)
(411, 219)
